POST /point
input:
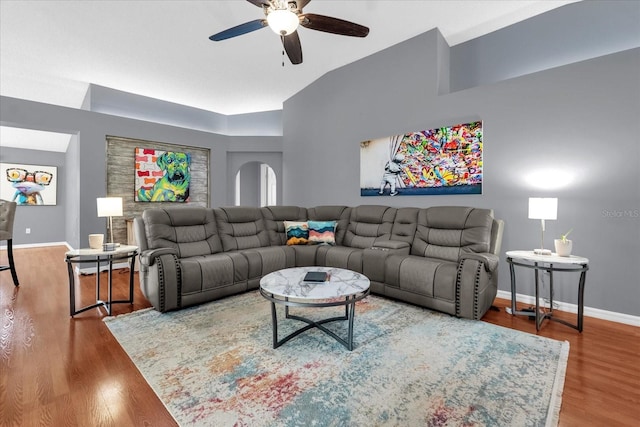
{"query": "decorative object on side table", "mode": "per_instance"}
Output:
(543, 208)
(96, 241)
(563, 245)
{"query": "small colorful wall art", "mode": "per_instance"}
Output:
(446, 160)
(162, 176)
(28, 185)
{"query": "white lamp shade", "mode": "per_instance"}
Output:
(283, 21)
(109, 206)
(543, 208)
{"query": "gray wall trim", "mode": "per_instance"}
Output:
(105, 100)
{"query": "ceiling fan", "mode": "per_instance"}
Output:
(284, 17)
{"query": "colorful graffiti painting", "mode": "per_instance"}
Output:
(445, 160)
(28, 185)
(162, 176)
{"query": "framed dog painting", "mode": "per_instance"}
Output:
(162, 176)
(28, 185)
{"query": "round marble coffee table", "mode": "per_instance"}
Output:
(287, 287)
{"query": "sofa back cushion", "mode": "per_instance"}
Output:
(405, 224)
(190, 230)
(340, 214)
(274, 217)
(241, 228)
(446, 232)
(367, 224)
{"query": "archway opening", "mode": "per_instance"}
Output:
(256, 185)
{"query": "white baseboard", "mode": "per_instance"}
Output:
(612, 316)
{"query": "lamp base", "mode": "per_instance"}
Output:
(542, 251)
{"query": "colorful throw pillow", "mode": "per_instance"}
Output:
(297, 232)
(322, 232)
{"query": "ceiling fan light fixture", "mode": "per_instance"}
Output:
(283, 22)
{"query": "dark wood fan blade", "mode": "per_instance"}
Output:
(260, 3)
(293, 47)
(332, 25)
(239, 30)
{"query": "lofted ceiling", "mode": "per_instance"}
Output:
(52, 50)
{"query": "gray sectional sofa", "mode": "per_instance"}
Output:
(444, 258)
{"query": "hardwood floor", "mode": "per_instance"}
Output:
(58, 371)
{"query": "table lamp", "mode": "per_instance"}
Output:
(543, 208)
(110, 207)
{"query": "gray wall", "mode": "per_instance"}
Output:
(250, 184)
(571, 33)
(581, 119)
(86, 157)
(46, 222)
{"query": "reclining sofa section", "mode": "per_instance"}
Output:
(444, 258)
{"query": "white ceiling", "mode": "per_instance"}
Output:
(52, 50)
(33, 139)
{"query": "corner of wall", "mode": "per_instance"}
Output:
(86, 102)
(443, 58)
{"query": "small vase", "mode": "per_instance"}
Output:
(563, 248)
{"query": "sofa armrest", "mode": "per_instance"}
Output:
(161, 278)
(476, 284)
(490, 261)
(147, 258)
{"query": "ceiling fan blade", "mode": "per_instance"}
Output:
(332, 25)
(260, 3)
(293, 47)
(239, 30)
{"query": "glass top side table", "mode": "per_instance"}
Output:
(549, 263)
(100, 257)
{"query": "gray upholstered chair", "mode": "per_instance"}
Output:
(7, 215)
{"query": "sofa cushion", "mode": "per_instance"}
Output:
(297, 232)
(367, 224)
(341, 257)
(446, 232)
(322, 232)
(191, 231)
(274, 217)
(425, 276)
(241, 228)
(404, 224)
(263, 261)
(201, 273)
(305, 255)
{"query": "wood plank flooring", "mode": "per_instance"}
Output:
(58, 371)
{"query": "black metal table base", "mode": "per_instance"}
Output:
(99, 261)
(539, 314)
(349, 304)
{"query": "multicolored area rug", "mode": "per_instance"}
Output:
(214, 365)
